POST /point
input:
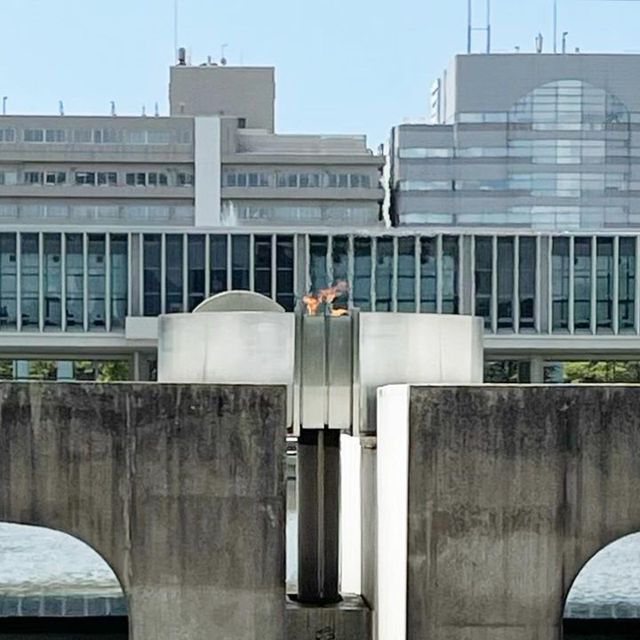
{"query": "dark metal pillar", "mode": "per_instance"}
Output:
(318, 516)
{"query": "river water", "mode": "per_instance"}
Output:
(36, 561)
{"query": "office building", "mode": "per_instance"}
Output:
(529, 141)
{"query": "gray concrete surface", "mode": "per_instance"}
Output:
(511, 491)
(348, 620)
(179, 487)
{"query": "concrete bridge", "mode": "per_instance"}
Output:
(480, 504)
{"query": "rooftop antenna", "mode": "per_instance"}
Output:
(223, 60)
(156, 112)
(555, 26)
(4, 105)
(471, 28)
(61, 108)
(175, 29)
(539, 43)
(113, 108)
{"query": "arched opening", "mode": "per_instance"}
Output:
(604, 599)
(53, 585)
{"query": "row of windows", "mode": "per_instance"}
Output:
(95, 213)
(234, 213)
(99, 178)
(72, 281)
(291, 180)
(551, 151)
(532, 216)
(564, 185)
(91, 281)
(96, 136)
(180, 271)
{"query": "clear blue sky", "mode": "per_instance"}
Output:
(343, 66)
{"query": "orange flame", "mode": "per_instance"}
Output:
(327, 297)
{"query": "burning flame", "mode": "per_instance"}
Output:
(327, 297)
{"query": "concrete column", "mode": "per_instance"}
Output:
(537, 370)
(207, 172)
(318, 516)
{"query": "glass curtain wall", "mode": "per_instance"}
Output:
(8, 282)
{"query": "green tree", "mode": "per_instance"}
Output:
(114, 371)
(602, 372)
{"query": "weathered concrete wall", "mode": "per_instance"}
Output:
(179, 487)
(348, 620)
(511, 491)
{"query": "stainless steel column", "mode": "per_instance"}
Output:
(318, 516)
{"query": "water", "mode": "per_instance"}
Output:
(36, 561)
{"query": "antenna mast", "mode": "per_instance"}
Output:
(555, 26)
(175, 29)
(471, 28)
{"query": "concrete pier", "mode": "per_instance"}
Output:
(179, 487)
(490, 501)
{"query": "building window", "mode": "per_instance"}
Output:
(560, 284)
(285, 271)
(33, 177)
(52, 281)
(362, 274)
(97, 283)
(407, 275)
(428, 275)
(7, 135)
(582, 284)
(55, 135)
(85, 177)
(262, 265)
(33, 135)
(240, 262)
(505, 283)
(74, 267)
(185, 179)
(627, 285)
(384, 274)
(107, 178)
(450, 275)
(483, 278)
(218, 259)
(29, 281)
(340, 258)
(8, 281)
(527, 284)
(195, 276)
(604, 285)
(119, 280)
(318, 268)
(152, 280)
(173, 273)
(55, 177)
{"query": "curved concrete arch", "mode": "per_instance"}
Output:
(179, 487)
(48, 544)
(618, 554)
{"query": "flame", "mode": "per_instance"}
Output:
(327, 297)
(313, 303)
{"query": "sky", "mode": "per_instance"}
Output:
(342, 66)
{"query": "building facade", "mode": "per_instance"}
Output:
(538, 141)
(88, 295)
(108, 222)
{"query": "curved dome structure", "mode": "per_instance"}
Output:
(568, 104)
